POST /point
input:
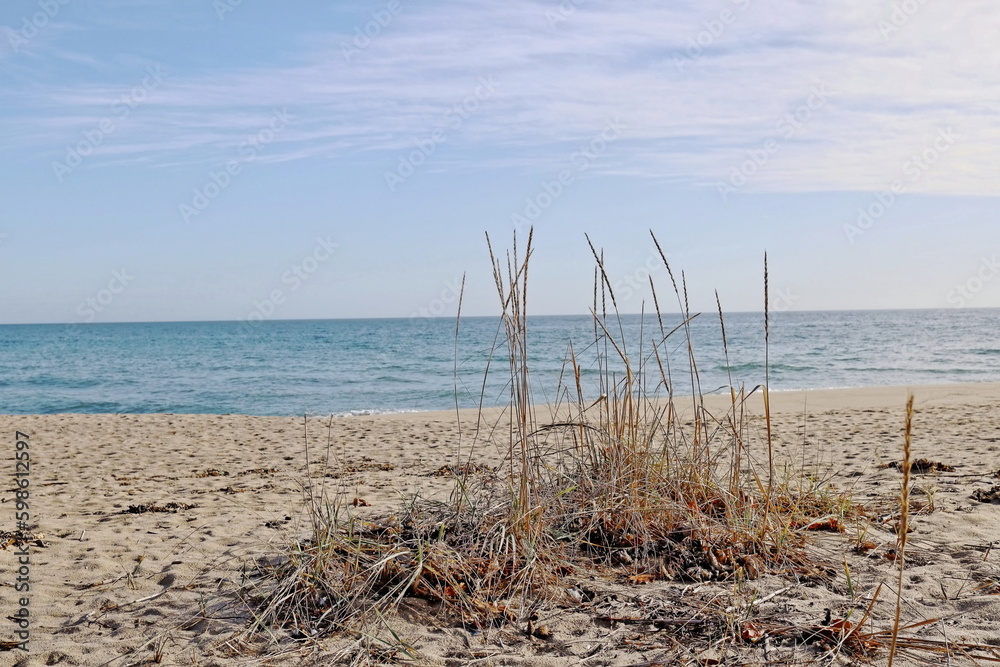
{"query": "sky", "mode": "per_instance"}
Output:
(240, 159)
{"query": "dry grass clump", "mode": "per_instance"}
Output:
(635, 482)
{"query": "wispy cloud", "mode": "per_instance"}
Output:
(688, 118)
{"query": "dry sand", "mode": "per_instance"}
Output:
(112, 587)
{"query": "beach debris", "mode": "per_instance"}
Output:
(366, 465)
(839, 632)
(698, 574)
(539, 631)
(992, 495)
(657, 623)
(988, 587)
(230, 490)
(621, 557)
(21, 538)
(864, 546)
(462, 471)
(752, 632)
(840, 635)
(263, 472)
(169, 508)
(360, 502)
(830, 523)
(212, 472)
(921, 466)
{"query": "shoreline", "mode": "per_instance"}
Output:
(781, 399)
(123, 572)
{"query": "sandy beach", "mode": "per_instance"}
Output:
(146, 524)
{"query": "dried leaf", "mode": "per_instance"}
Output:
(542, 632)
(830, 523)
(752, 632)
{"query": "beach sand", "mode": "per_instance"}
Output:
(110, 587)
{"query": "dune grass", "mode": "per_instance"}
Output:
(640, 482)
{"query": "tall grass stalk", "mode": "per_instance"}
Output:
(904, 525)
(767, 380)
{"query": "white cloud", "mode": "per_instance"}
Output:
(692, 112)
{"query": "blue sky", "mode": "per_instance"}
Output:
(190, 160)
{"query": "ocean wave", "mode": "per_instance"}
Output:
(759, 366)
(372, 412)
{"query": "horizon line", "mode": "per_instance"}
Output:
(452, 318)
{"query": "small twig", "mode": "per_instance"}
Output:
(495, 655)
(652, 621)
(759, 601)
(147, 598)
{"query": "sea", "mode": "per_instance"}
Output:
(366, 366)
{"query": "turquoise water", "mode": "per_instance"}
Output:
(360, 366)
